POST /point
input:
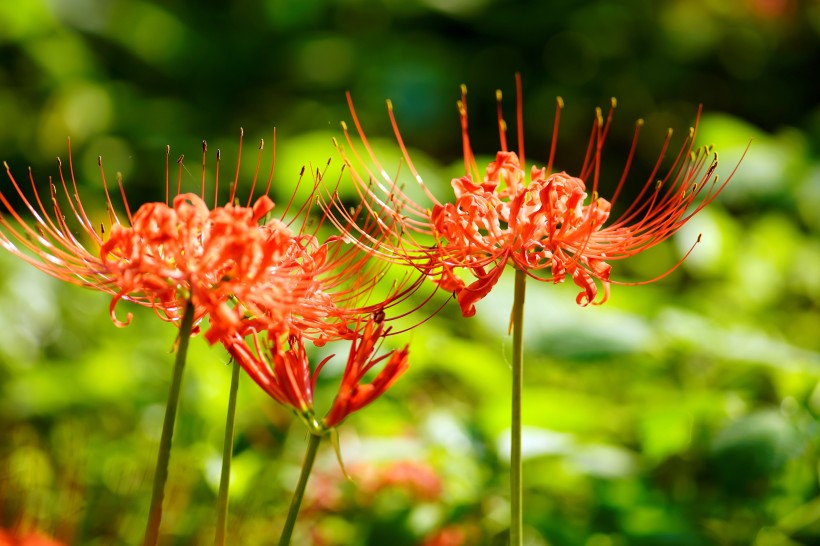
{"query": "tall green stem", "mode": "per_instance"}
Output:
(164, 455)
(227, 453)
(516, 481)
(296, 502)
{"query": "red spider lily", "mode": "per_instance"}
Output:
(417, 479)
(279, 364)
(154, 259)
(244, 275)
(549, 221)
(31, 538)
(173, 253)
(452, 535)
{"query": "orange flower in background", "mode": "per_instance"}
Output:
(452, 535)
(279, 364)
(417, 479)
(367, 484)
(551, 225)
(31, 538)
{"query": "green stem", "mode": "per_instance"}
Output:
(164, 455)
(227, 453)
(516, 480)
(296, 502)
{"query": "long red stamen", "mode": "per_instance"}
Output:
(202, 185)
(559, 105)
(519, 111)
(502, 125)
(272, 163)
(238, 163)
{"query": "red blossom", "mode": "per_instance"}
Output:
(452, 535)
(552, 225)
(279, 364)
(30, 538)
(418, 479)
(353, 393)
(161, 256)
(246, 271)
(216, 258)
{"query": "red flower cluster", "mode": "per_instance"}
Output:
(540, 225)
(171, 254)
(265, 287)
(535, 221)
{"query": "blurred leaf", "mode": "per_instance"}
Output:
(751, 450)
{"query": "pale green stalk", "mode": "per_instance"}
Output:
(227, 454)
(164, 454)
(516, 480)
(296, 502)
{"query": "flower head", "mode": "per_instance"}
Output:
(161, 256)
(244, 269)
(278, 362)
(173, 253)
(551, 225)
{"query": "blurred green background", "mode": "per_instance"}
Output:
(680, 413)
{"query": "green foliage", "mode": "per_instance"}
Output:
(680, 413)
